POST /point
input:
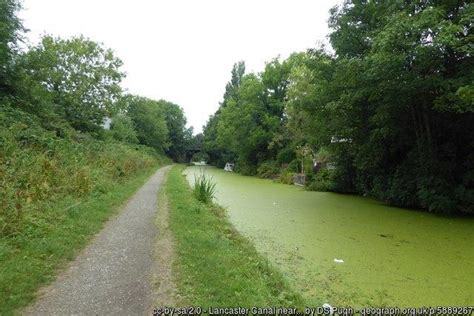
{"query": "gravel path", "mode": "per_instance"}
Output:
(113, 275)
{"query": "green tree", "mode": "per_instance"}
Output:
(306, 107)
(123, 129)
(218, 155)
(276, 80)
(218, 152)
(10, 35)
(177, 132)
(404, 73)
(77, 79)
(392, 107)
(232, 87)
(244, 125)
(148, 119)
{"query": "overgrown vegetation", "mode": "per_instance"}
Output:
(388, 114)
(75, 82)
(55, 98)
(39, 169)
(54, 235)
(62, 172)
(204, 188)
(215, 265)
(55, 193)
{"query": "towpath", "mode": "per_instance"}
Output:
(114, 274)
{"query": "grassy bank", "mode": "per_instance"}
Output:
(57, 188)
(215, 265)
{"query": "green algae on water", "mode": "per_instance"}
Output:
(384, 255)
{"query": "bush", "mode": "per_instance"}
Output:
(204, 188)
(323, 181)
(294, 166)
(286, 177)
(286, 155)
(246, 169)
(38, 168)
(268, 170)
(122, 129)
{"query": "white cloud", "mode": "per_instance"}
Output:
(183, 50)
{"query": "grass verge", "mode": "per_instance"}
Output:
(215, 265)
(30, 260)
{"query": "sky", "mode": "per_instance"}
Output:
(183, 50)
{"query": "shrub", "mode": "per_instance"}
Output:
(38, 168)
(246, 169)
(308, 169)
(268, 170)
(286, 177)
(286, 155)
(294, 165)
(122, 129)
(204, 188)
(323, 155)
(323, 181)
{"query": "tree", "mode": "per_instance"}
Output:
(308, 94)
(10, 35)
(78, 77)
(402, 71)
(177, 132)
(220, 153)
(148, 119)
(123, 129)
(232, 87)
(392, 108)
(245, 125)
(276, 80)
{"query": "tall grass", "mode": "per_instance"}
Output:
(57, 188)
(237, 275)
(38, 168)
(204, 188)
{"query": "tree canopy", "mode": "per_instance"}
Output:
(80, 79)
(391, 107)
(10, 35)
(73, 86)
(148, 119)
(179, 135)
